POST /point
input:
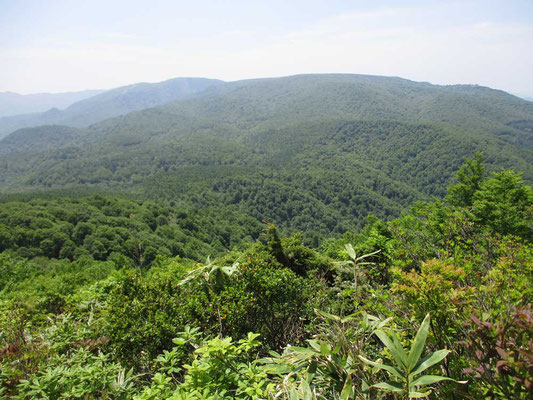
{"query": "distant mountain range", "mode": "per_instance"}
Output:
(15, 104)
(99, 105)
(315, 153)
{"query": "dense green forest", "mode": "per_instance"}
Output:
(109, 297)
(314, 154)
(308, 237)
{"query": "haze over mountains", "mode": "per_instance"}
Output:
(304, 151)
(14, 103)
(96, 106)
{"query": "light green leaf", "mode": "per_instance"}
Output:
(314, 344)
(394, 371)
(396, 353)
(428, 361)
(429, 379)
(418, 344)
(401, 352)
(351, 251)
(389, 385)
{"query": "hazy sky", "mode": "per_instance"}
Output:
(55, 45)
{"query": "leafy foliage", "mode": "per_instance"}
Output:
(312, 153)
(107, 227)
(161, 325)
(409, 364)
(502, 354)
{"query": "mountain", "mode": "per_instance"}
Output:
(316, 153)
(15, 104)
(37, 139)
(109, 104)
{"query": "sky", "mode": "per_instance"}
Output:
(70, 45)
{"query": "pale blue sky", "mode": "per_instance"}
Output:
(61, 45)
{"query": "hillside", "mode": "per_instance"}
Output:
(37, 139)
(102, 297)
(309, 151)
(109, 104)
(223, 246)
(15, 103)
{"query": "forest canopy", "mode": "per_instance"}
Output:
(107, 297)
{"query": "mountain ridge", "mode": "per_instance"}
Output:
(307, 151)
(108, 104)
(12, 103)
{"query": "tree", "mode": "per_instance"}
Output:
(470, 177)
(505, 204)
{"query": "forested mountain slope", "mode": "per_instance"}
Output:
(102, 297)
(37, 139)
(309, 151)
(104, 227)
(110, 103)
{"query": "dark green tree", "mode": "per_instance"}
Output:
(504, 203)
(470, 177)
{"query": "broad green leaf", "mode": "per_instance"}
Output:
(396, 353)
(399, 347)
(394, 371)
(418, 344)
(314, 344)
(351, 251)
(428, 361)
(429, 379)
(389, 385)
